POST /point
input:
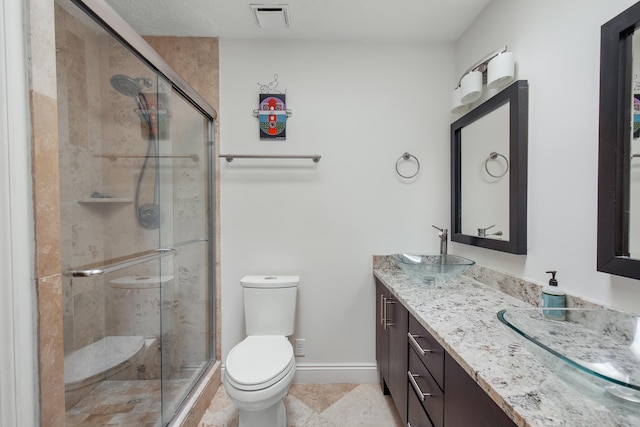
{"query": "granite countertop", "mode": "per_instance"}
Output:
(462, 315)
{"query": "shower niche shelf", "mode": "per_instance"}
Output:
(104, 200)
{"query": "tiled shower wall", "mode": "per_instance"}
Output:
(94, 120)
(44, 129)
(77, 87)
(196, 59)
(200, 68)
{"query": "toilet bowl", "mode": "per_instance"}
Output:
(260, 369)
(258, 374)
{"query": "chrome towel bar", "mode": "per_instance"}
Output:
(229, 157)
(193, 157)
(120, 263)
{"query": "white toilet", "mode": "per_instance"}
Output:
(260, 369)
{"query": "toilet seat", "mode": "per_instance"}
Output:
(259, 362)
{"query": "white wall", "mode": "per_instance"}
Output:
(360, 106)
(18, 332)
(557, 49)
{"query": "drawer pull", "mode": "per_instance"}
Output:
(416, 387)
(417, 347)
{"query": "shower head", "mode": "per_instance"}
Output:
(129, 86)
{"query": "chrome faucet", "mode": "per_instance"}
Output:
(443, 235)
(482, 232)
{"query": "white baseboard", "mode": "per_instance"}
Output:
(335, 373)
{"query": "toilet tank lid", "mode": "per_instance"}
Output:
(270, 281)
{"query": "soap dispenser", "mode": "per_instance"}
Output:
(553, 297)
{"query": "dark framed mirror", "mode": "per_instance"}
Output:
(489, 172)
(619, 146)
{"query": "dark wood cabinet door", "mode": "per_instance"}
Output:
(465, 403)
(392, 325)
(397, 327)
(382, 338)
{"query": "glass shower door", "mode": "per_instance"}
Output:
(186, 300)
(135, 204)
(110, 240)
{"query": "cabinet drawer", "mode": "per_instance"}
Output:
(424, 387)
(417, 417)
(427, 349)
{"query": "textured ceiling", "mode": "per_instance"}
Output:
(330, 20)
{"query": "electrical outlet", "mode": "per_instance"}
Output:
(299, 347)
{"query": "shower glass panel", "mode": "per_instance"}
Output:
(186, 348)
(136, 250)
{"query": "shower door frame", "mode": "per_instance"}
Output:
(107, 18)
(18, 330)
(113, 23)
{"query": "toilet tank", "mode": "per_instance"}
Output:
(269, 304)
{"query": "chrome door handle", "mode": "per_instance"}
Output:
(382, 300)
(386, 306)
(417, 347)
(416, 387)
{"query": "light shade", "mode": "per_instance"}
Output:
(500, 70)
(471, 86)
(457, 107)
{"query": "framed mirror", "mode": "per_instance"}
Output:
(619, 146)
(489, 173)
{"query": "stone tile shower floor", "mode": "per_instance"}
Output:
(130, 403)
(318, 405)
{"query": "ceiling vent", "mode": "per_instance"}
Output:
(271, 16)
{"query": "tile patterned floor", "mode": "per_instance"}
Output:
(318, 405)
(137, 404)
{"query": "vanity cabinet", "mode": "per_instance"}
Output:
(448, 395)
(428, 387)
(466, 403)
(391, 347)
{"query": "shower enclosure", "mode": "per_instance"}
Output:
(136, 225)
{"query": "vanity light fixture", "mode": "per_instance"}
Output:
(495, 70)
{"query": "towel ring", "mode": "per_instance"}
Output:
(494, 155)
(407, 156)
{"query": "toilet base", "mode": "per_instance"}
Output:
(274, 416)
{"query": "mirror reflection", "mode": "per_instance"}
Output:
(489, 172)
(485, 176)
(634, 168)
(619, 143)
